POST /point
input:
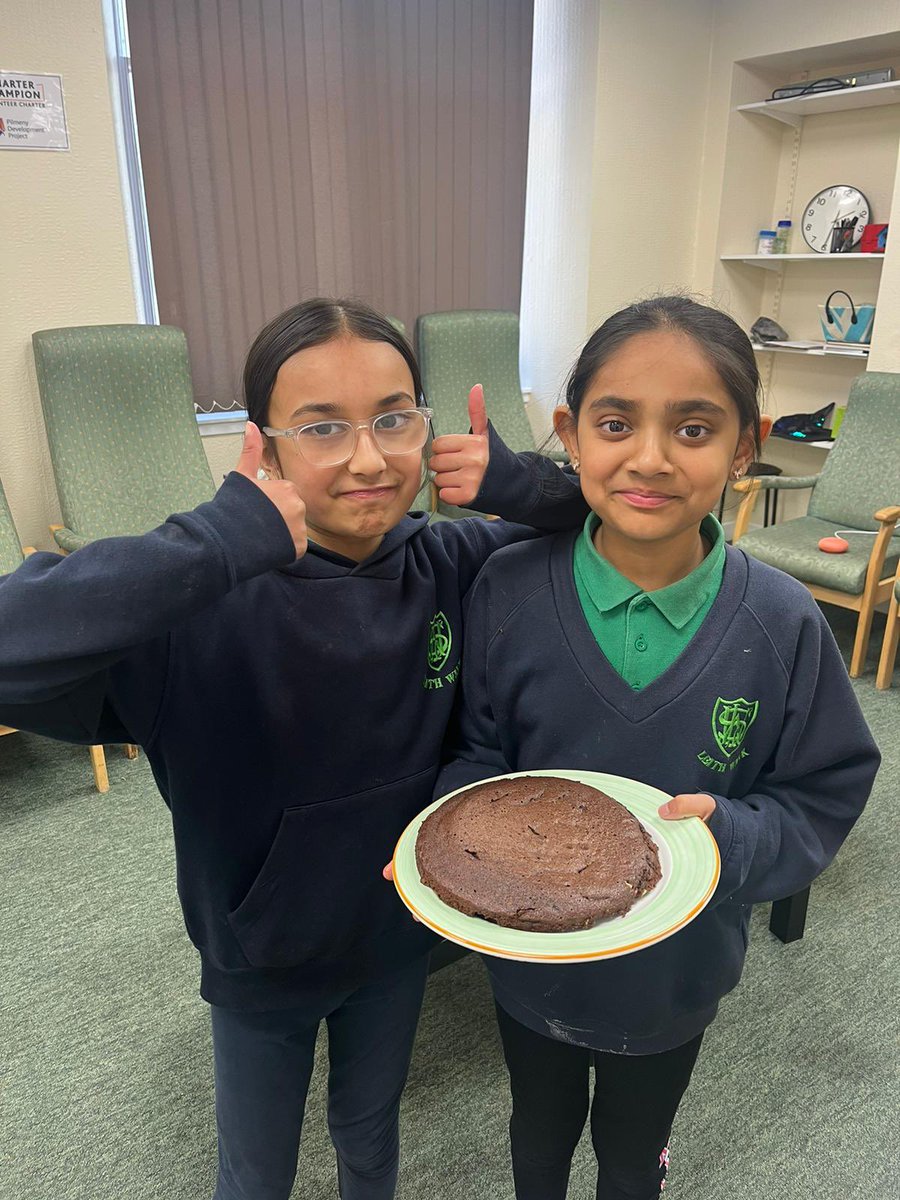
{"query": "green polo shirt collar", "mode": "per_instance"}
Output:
(679, 603)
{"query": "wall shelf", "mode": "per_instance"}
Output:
(811, 351)
(774, 262)
(785, 437)
(793, 110)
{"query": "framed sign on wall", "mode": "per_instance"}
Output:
(32, 113)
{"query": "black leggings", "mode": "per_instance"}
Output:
(635, 1100)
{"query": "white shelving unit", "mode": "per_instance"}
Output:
(798, 442)
(775, 262)
(777, 154)
(812, 351)
(793, 110)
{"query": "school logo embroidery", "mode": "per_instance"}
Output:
(440, 641)
(731, 721)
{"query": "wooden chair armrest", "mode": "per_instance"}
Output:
(776, 482)
(27, 550)
(745, 510)
(888, 518)
(68, 541)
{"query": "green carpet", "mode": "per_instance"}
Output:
(105, 1070)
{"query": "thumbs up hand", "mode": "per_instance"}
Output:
(459, 460)
(282, 493)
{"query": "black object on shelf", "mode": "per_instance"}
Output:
(805, 427)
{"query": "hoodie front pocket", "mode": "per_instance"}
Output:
(320, 891)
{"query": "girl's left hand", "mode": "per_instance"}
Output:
(688, 804)
(459, 460)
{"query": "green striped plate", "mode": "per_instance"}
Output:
(688, 857)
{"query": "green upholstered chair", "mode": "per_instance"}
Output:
(10, 547)
(122, 429)
(426, 501)
(11, 555)
(891, 636)
(459, 349)
(858, 488)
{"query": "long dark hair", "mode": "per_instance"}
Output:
(717, 336)
(310, 324)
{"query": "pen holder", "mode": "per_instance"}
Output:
(842, 239)
(846, 322)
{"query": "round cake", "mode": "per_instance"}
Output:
(538, 852)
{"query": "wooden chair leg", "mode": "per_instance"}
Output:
(887, 518)
(788, 917)
(98, 762)
(889, 646)
(861, 641)
(131, 751)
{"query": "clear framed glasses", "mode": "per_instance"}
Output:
(330, 443)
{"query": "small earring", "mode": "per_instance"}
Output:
(737, 472)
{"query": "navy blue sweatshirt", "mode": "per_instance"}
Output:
(539, 693)
(293, 712)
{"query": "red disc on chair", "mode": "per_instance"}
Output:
(834, 545)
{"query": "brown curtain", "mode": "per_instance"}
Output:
(291, 148)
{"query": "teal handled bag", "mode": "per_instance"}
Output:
(846, 322)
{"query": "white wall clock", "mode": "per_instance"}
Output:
(828, 209)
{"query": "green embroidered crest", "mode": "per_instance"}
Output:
(731, 719)
(440, 641)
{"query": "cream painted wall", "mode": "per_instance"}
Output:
(65, 255)
(652, 79)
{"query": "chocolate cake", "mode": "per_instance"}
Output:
(538, 852)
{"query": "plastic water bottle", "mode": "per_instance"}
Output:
(783, 237)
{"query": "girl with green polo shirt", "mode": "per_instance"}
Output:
(618, 648)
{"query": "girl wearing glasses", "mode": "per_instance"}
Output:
(287, 655)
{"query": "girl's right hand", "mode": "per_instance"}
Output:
(387, 873)
(283, 494)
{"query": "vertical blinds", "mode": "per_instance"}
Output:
(291, 148)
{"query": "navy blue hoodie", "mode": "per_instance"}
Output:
(293, 712)
(538, 693)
